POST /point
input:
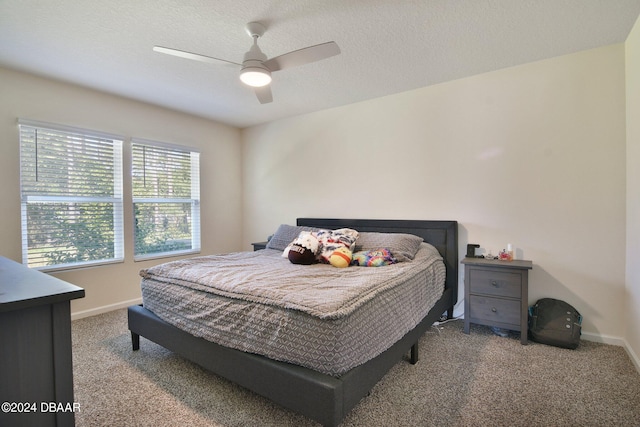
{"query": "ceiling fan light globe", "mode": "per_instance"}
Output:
(255, 77)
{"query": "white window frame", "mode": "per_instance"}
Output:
(116, 198)
(194, 198)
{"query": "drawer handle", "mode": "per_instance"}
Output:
(494, 283)
(495, 310)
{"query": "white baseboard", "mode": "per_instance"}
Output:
(634, 357)
(621, 342)
(605, 339)
(104, 309)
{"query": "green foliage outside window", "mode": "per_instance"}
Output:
(67, 233)
(160, 228)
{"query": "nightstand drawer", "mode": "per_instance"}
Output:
(495, 309)
(495, 282)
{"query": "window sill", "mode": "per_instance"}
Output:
(165, 255)
(78, 266)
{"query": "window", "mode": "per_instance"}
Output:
(166, 199)
(71, 191)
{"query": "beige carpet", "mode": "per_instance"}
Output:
(461, 380)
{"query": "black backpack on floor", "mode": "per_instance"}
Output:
(555, 322)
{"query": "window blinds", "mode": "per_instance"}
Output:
(166, 199)
(71, 196)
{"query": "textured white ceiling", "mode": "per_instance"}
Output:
(388, 46)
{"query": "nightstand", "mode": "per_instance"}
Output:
(496, 294)
(259, 245)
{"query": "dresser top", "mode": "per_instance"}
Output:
(516, 263)
(22, 287)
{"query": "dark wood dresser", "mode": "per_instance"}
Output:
(36, 371)
(496, 294)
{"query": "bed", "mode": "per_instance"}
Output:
(324, 396)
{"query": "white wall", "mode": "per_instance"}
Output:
(26, 96)
(632, 292)
(532, 155)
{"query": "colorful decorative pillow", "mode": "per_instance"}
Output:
(330, 240)
(373, 258)
(402, 246)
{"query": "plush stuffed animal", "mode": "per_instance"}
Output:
(303, 249)
(340, 258)
(301, 255)
(373, 258)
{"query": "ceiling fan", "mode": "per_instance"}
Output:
(256, 69)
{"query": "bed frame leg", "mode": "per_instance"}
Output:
(135, 341)
(415, 356)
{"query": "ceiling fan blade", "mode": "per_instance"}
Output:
(303, 56)
(264, 94)
(194, 56)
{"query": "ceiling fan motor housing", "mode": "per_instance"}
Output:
(254, 72)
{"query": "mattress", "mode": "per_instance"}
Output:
(320, 317)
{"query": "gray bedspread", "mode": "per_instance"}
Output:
(325, 318)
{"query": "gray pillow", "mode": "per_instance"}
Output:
(402, 246)
(286, 234)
